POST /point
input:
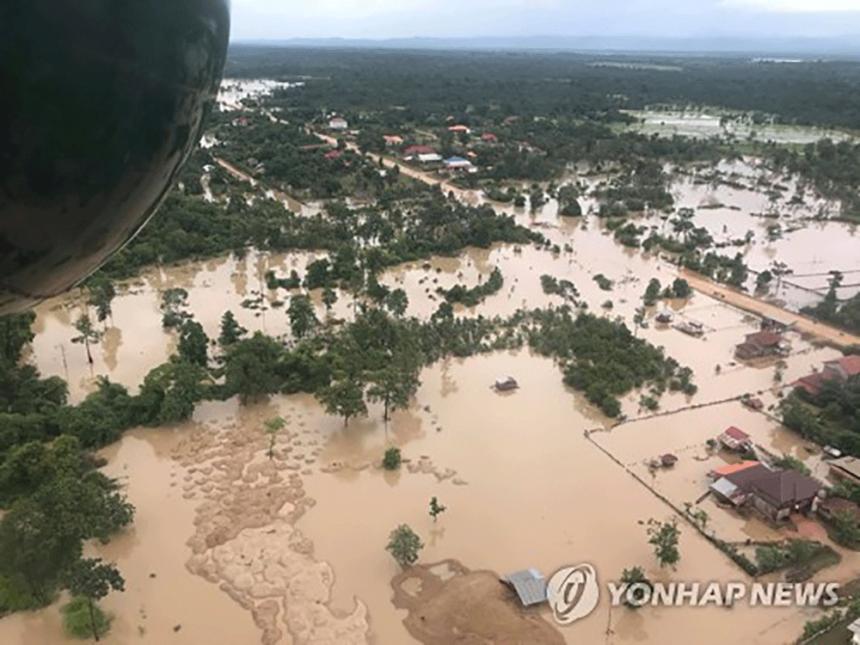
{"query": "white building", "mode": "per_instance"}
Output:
(430, 158)
(338, 123)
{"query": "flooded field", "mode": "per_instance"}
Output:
(231, 545)
(234, 91)
(519, 479)
(522, 484)
(705, 125)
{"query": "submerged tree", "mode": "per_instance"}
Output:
(231, 331)
(663, 536)
(101, 294)
(637, 584)
(91, 579)
(681, 288)
(393, 385)
(652, 293)
(303, 318)
(169, 393)
(436, 508)
(344, 398)
(251, 367)
(173, 304)
(404, 545)
(392, 458)
(59, 502)
(272, 427)
(397, 302)
(193, 343)
(87, 334)
(329, 298)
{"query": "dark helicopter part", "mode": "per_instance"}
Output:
(101, 101)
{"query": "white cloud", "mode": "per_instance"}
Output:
(472, 18)
(796, 6)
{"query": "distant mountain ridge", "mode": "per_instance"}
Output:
(846, 46)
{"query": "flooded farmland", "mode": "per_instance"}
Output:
(244, 534)
(522, 484)
(706, 124)
(290, 549)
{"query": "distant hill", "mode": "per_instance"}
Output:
(774, 47)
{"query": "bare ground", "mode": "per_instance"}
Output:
(448, 604)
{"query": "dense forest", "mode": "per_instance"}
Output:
(417, 85)
(377, 236)
(830, 418)
(545, 111)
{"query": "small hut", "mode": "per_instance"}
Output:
(529, 585)
(506, 384)
(665, 317)
(668, 460)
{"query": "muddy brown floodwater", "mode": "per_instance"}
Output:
(298, 541)
(231, 546)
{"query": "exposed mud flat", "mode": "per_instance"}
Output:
(245, 539)
(469, 607)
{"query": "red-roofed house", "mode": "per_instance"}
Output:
(840, 369)
(735, 439)
(730, 469)
(489, 137)
(413, 151)
(331, 155)
(459, 128)
(843, 368)
(761, 343)
(811, 384)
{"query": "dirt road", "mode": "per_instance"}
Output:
(420, 175)
(804, 324)
(233, 170)
(294, 204)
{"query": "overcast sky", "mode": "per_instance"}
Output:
(279, 19)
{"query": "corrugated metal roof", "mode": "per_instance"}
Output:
(730, 469)
(530, 586)
(736, 433)
(784, 487)
(724, 487)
